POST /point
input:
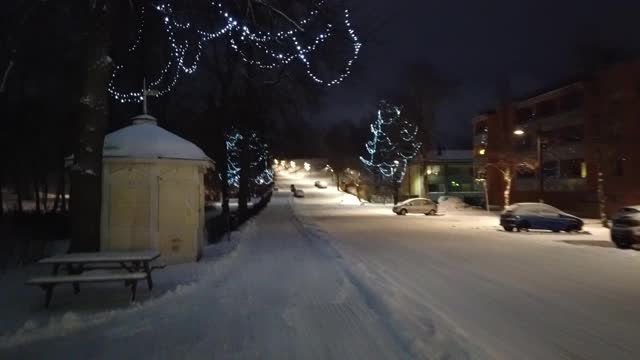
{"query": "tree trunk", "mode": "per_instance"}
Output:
(59, 191)
(87, 170)
(19, 196)
(507, 188)
(396, 193)
(64, 192)
(1, 195)
(243, 190)
(338, 181)
(45, 195)
(36, 192)
(602, 199)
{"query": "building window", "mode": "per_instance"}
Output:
(550, 169)
(524, 115)
(525, 173)
(568, 134)
(618, 167)
(433, 170)
(481, 128)
(546, 108)
(571, 169)
(524, 143)
(434, 188)
(571, 101)
(583, 170)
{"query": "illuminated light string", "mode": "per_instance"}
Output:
(389, 155)
(167, 78)
(138, 40)
(260, 163)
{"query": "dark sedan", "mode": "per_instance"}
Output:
(525, 216)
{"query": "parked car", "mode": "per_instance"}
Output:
(416, 206)
(321, 184)
(525, 216)
(298, 193)
(625, 228)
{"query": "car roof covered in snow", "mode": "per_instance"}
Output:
(144, 139)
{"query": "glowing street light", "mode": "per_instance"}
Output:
(307, 166)
(518, 132)
(275, 161)
(293, 164)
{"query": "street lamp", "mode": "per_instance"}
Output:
(521, 132)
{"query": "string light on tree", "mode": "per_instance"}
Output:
(260, 172)
(393, 144)
(270, 50)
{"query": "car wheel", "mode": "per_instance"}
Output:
(508, 228)
(431, 212)
(523, 226)
(570, 228)
(403, 212)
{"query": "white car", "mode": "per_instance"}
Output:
(416, 206)
(625, 230)
(321, 184)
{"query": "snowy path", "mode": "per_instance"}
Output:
(283, 295)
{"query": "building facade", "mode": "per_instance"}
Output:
(574, 146)
(443, 172)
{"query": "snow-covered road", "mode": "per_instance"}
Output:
(533, 295)
(325, 278)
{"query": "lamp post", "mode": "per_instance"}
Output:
(522, 132)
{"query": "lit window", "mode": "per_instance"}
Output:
(482, 151)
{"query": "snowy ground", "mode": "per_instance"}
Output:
(324, 277)
(283, 293)
(537, 295)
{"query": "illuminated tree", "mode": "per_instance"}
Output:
(265, 35)
(260, 172)
(392, 146)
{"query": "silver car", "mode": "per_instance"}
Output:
(416, 206)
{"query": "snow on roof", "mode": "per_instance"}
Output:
(144, 139)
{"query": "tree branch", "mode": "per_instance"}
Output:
(295, 24)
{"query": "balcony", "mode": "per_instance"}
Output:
(481, 139)
(565, 184)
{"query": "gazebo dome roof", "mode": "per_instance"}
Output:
(144, 139)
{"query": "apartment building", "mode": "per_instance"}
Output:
(560, 143)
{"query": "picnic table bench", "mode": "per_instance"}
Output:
(135, 263)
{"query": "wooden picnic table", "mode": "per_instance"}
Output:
(135, 263)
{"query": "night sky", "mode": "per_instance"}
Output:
(533, 42)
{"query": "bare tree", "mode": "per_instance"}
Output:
(425, 88)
